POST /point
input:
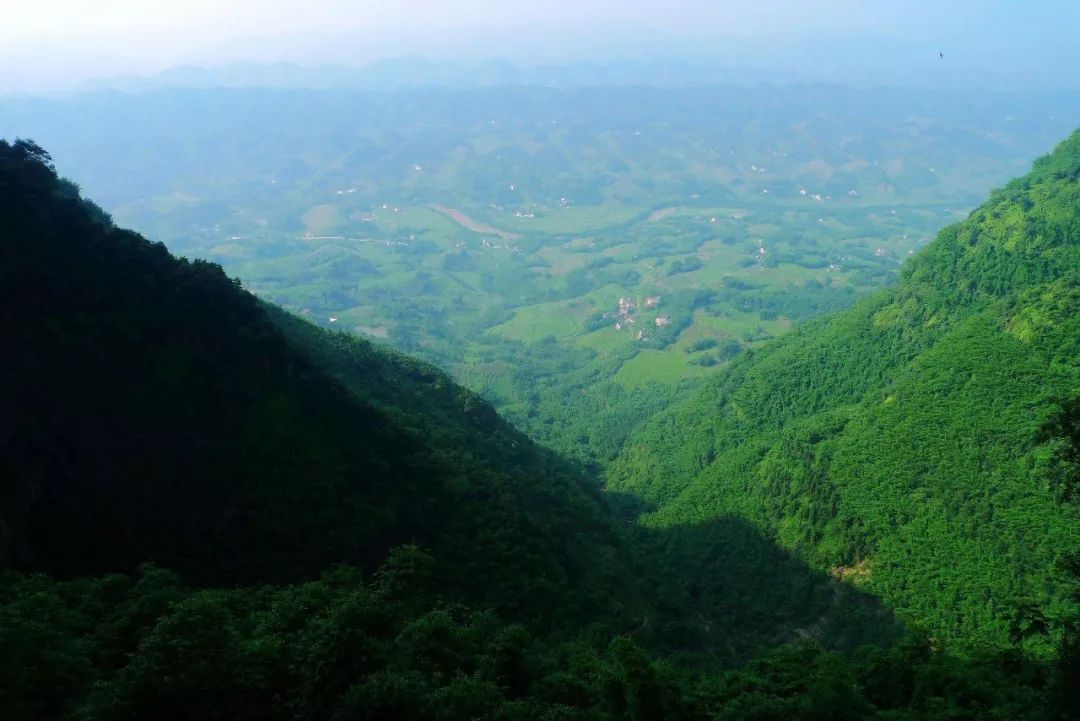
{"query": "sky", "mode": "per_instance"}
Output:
(54, 43)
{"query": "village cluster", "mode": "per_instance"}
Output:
(624, 316)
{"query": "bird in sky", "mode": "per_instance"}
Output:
(941, 53)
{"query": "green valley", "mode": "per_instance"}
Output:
(699, 451)
(554, 249)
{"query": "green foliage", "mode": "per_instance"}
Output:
(344, 646)
(915, 454)
(155, 410)
(684, 266)
(918, 444)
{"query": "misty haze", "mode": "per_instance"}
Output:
(596, 360)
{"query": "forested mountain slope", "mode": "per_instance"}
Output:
(154, 410)
(916, 445)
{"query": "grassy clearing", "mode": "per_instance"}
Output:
(539, 321)
(562, 261)
(572, 219)
(321, 219)
(433, 225)
(607, 339)
(654, 366)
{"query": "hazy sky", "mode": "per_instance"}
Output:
(65, 41)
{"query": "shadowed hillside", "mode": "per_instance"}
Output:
(155, 411)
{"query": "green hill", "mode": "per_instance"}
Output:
(155, 411)
(916, 445)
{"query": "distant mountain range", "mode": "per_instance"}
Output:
(418, 72)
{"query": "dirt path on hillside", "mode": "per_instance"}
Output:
(466, 222)
(660, 214)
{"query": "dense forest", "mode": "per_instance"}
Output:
(156, 411)
(919, 445)
(210, 508)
